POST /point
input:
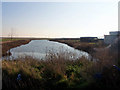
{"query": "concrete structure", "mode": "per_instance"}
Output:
(109, 39)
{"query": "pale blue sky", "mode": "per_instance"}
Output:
(60, 19)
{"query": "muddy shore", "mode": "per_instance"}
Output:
(11, 44)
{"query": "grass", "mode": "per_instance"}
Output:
(51, 73)
(15, 39)
(84, 46)
(8, 39)
(57, 71)
(7, 46)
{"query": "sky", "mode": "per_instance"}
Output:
(59, 19)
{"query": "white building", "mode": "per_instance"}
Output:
(109, 39)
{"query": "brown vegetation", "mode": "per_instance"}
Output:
(57, 71)
(54, 72)
(11, 44)
(84, 46)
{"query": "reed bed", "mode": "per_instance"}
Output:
(58, 71)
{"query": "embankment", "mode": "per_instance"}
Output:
(11, 44)
(87, 47)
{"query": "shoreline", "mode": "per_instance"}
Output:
(11, 44)
(78, 45)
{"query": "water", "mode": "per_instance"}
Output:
(40, 48)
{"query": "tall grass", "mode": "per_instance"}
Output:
(105, 66)
(58, 71)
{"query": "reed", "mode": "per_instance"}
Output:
(59, 71)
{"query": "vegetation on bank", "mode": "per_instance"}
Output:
(7, 46)
(57, 71)
(16, 39)
(84, 46)
(9, 39)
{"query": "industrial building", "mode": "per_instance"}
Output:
(109, 39)
(88, 39)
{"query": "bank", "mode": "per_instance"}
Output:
(7, 45)
(84, 46)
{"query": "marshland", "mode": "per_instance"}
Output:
(56, 70)
(54, 45)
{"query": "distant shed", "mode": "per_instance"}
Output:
(88, 39)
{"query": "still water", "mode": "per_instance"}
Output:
(40, 48)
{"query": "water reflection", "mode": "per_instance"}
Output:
(40, 48)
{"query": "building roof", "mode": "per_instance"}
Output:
(88, 37)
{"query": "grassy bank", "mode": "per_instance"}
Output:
(16, 39)
(9, 39)
(56, 71)
(84, 46)
(7, 45)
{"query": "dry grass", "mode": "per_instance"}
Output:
(54, 71)
(84, 46)
(7, 46)
(58, 71)
(106, 59)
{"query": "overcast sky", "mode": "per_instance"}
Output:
(59, 19)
